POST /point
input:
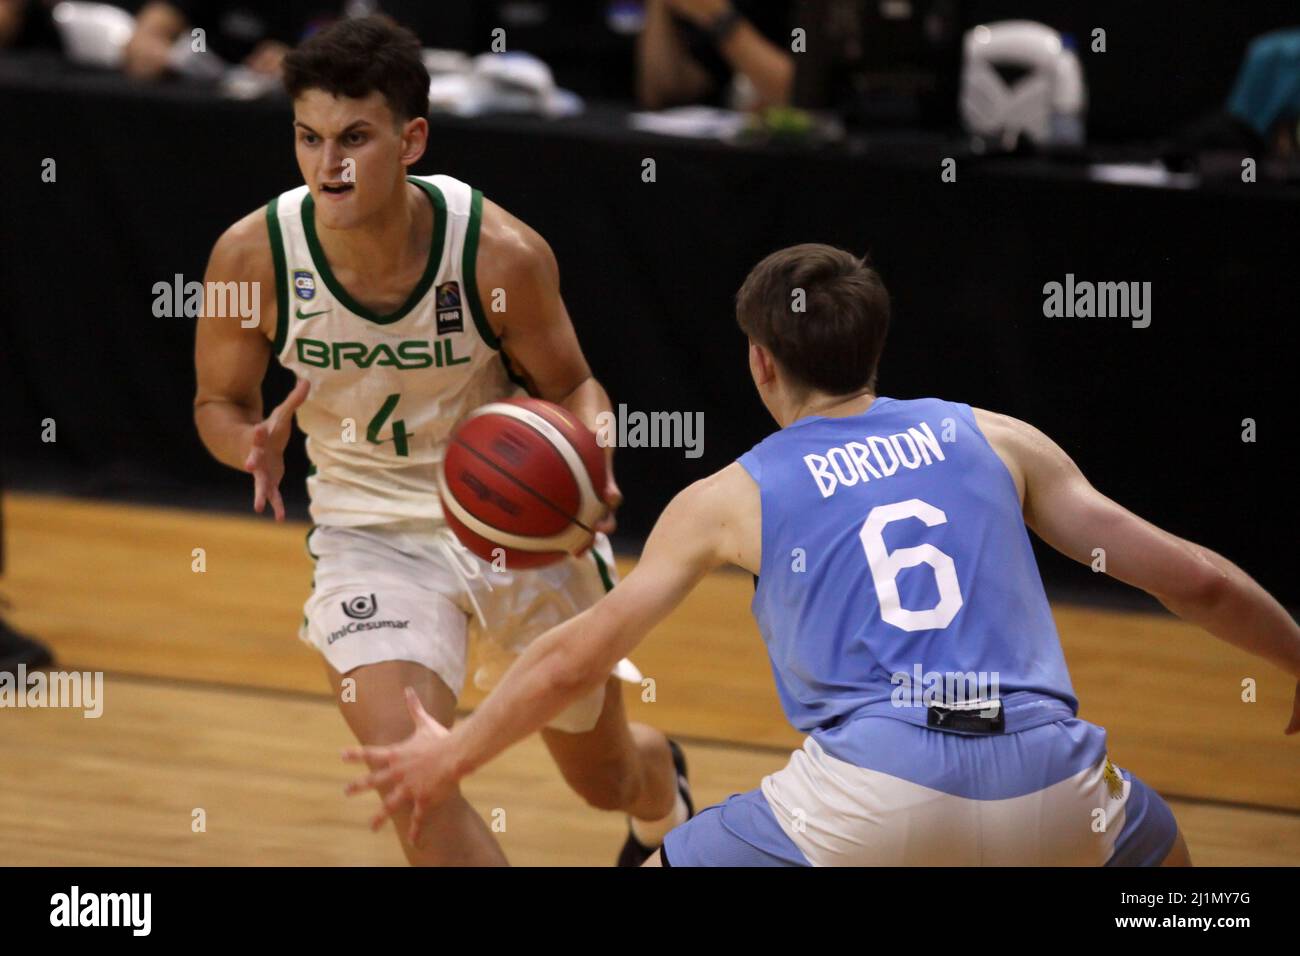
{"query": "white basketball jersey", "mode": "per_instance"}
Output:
(385, 389)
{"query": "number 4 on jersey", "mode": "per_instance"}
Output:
(400, 434)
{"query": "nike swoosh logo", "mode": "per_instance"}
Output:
(309, 315)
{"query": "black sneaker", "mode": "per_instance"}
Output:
(18, 649)
(634, 852)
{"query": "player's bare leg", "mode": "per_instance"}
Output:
(1178, 855)
(618, 765)
(452, 834)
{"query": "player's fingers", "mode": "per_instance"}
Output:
(253, 460)
(371, 781)
(416, 709)
(392, 803)
(277, 504)
(421, 717)
(613, 494)
(374, 756)
(278, 425)
(294, 399)
(396, 799)
(259, 492)
(260, 431)
(417, 820)
(605, 526)
(1294, 726)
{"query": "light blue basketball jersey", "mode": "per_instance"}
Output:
(897, 573)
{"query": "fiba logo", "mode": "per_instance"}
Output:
(361, 607)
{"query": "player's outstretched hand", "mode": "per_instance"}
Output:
(1294, 726)
(418, 771)
(265, 461)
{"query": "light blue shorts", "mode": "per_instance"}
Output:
(1044, 796)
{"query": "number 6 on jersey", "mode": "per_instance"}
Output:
(886, 565)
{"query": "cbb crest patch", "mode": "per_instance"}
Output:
(304, 285)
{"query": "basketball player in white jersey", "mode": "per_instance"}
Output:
(910, 521)
(401, 303)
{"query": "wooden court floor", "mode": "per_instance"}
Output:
(212, 704)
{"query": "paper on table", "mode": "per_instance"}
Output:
(1140, 174)
(700, 122)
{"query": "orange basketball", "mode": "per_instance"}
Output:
(522, 477)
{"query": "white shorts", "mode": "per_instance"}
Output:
(841, 815)
(409, 591)
(1046, 796)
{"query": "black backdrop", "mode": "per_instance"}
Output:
(147, 180)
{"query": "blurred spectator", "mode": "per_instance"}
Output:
(1258, 120)
(258, 35)
(692, 50)
(1266, 96)
(27, 25)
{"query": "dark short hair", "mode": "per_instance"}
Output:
(834, 343)
(356, 56)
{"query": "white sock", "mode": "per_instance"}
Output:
(652, 832)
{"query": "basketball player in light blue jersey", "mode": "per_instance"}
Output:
(903, 613)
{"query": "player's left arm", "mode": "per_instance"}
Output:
(519, 289)
(712, 522)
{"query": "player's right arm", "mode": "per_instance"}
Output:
(230, 362)
(1193, 582)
